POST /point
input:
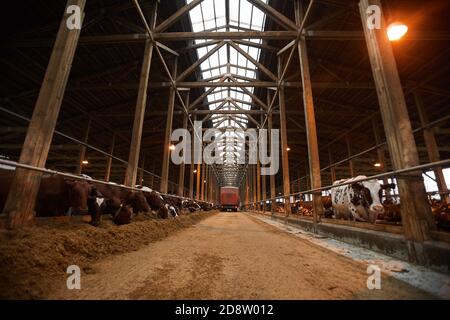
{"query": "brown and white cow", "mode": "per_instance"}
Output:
(155, 202)
(359, 201)
(57, 195)
(117, 200)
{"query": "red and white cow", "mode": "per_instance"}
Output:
(359, 201)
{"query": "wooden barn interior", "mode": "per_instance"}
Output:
(103, 100)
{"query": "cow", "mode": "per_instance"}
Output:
(306, 208)
(155, 202)
(392, 211)
(441, 213)
(174, 205)
(360, 201)
(191, 205)
(117, 199)
(57, 195)
(206, 206)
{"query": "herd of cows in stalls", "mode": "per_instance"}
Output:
(60, 196)
(367, 201)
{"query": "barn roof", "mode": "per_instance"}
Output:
(105, 74)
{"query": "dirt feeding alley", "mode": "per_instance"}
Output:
(231, 256)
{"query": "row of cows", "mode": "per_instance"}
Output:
(364, 201)
(63, 196)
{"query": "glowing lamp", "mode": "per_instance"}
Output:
(396, 31)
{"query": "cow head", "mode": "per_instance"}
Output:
(79, 192)
(163, 212)
(366, 194)
(123, 215)
(138, 202)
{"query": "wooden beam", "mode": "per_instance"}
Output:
(202, 179)
(271, 177)
(24, 187)
(183, 36)
(197, 63)
(140, 178)
(284, 142)
(109, 159)
(431, 146)
(310, 120)
(167, 141)
(277, 16)
(192, 166)
(254, 61)
(351, 167)
(82, 154)
(205, 94)
(332, 168)
(177, 16)
(135, 146)
(324, 35)
(183, 165)
(416, 213)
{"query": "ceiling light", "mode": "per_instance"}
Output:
(172, 147)
(396, 31)
(288, 149)
(84, 162)
(378, 165)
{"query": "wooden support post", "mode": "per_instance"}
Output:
(24, 187)
(247, 189)
(167, 142)
(432, 147)
(199, 170)
(416, 213)
(311, 130)
(351, 167)
(332, 169)
(284, 144)
(255, 187)
(211, 181)
(258, 185)
(202, 182)
(140, 177)
(205, 183)
(264, 184)
(183, 165)
(271, 177)
(141, 103)
(380, 151)
(82, 155)
(152, 177)
(135, 146)
(109, 159)
(250, 181)
(192, 166)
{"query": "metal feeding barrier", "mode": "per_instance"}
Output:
(389, 174)
(79, 142)
(77, 177)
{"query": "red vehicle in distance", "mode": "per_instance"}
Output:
(229, 198)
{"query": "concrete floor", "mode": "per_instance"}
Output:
(233, 256)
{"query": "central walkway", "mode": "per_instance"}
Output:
(232, 256)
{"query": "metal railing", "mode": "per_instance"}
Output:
(77, 177)
(390, 174)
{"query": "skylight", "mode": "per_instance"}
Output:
(226, 64)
